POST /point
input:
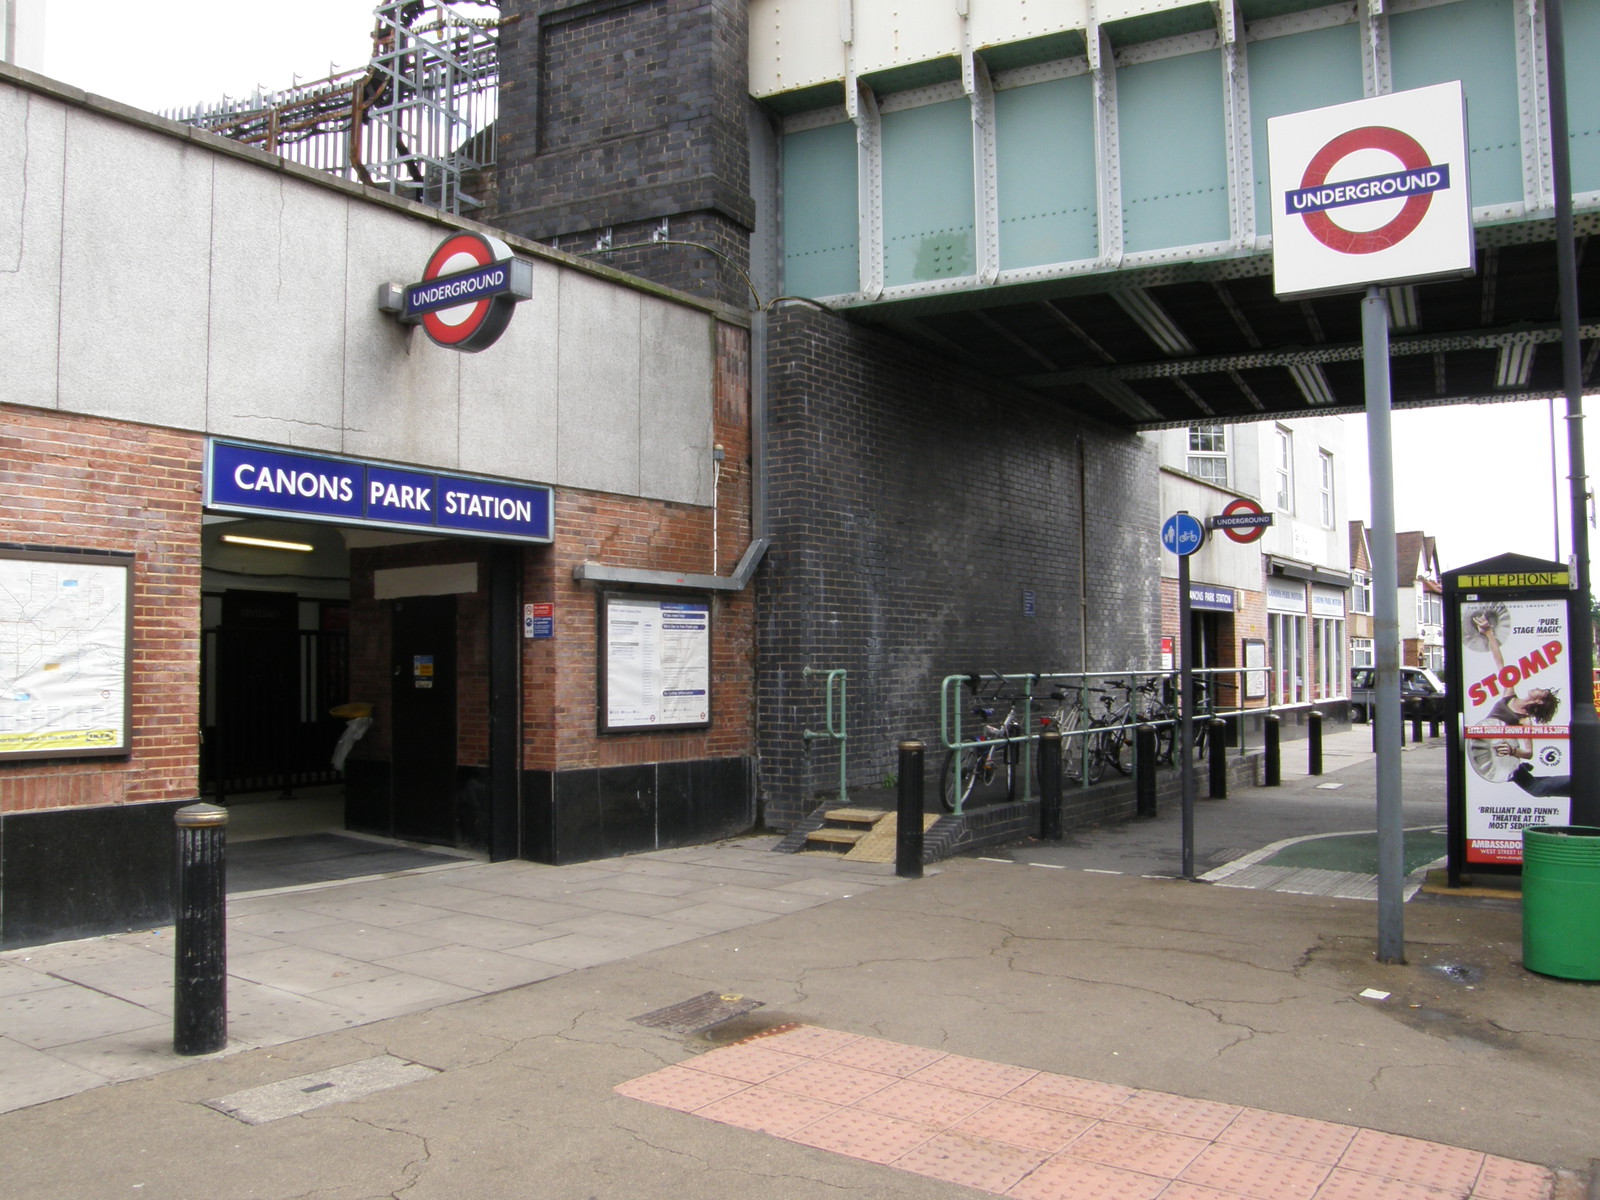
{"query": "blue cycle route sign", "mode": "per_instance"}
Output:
(1182, 534)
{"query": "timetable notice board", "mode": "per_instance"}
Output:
(655, 663)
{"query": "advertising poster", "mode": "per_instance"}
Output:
(1516, 712)
(64, 623)
(657, 667)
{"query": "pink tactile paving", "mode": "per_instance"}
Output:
(1067, 1094)
(892, 1058)
(1243, 1172)
(923, 1103)
(753, 1064)
(1356, 1185)
(1413, 1160)
(813, 1041)
(1508, 1179)
(1295, 1137)
(1037, 1136)
(680, 1088)
(871, 1136)
(1175, 1114)
(1074, 1179)
(975, 1162)
(1025, 1125)
(825, 1080)
(767, 1110)
(1147, 1150)
(974, 1075)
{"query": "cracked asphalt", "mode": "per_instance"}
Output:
(1246, 997)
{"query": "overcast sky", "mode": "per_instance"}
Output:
(1476, 477)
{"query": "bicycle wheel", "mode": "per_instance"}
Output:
(1071, 747)
(1116, 743)
(977, 770)
(1098, 753)
(1166, 737)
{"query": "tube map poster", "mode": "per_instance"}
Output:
(63, 654)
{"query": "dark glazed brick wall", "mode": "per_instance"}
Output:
(615, 114)
(911, 506)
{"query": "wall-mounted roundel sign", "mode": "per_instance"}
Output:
(468, 292)
(1375, 191)
(1242, 520)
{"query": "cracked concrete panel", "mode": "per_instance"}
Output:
(599, 386)
(32, 135)
(402, 393)
(678, 350)
(276, 364)
(136, 264)
(508, 411)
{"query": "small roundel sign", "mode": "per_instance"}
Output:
(1242, 520)
(468, 292)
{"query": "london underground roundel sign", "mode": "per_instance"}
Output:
(1375, 191)
(468, 292)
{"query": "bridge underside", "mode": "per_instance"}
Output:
(1209, 342)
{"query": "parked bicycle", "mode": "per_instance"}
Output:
(987, 767)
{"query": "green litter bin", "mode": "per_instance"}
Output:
(1561, 900)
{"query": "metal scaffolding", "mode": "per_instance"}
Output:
(414, 121)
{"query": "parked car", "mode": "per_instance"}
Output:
(1422, 695)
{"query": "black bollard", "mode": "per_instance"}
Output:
(200, 950)
(1433, 729)
(1050, 786)
(1144, 771)
(1416, 730)
(1272, 758)
(1217, 749)
(908, 819)
(1314, 742)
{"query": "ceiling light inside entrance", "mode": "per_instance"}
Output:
(239, 539)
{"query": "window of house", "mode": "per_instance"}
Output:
(1360, 594)
(1361, 652)
(1283, 470)
(1327, 490)
(1208, 453)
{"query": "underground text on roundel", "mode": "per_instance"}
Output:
(1364, 191)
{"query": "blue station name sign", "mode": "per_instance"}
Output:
(261, 481)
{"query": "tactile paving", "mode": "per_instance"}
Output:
(1011, 1131)
(1411, 1159)
(1295, 1137)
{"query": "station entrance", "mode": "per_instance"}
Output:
(345, 681)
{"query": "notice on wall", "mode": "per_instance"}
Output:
(64, 662)
(1516, 712)
(655, 663)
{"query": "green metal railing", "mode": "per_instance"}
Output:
(834, 717)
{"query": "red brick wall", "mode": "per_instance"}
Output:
(560, 676)
(82, 482)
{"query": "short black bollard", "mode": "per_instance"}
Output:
(1217, 749)
(200, 950)
(1272, 758)
(1433, 729)
(1144, 771)
(1050, 786)
(908, 818)
(1416, 730)
(1314, 742)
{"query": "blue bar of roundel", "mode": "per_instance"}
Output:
(401, 497)
(272, 481)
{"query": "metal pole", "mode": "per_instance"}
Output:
(1585, 726)
(1386, 629)
(908, 817)
(200, 951)
(1186, 717)
(1050, 785)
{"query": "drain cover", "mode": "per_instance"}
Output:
(290, 1097)
(698, 1012)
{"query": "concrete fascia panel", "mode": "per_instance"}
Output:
(32, 145)
(598, 374)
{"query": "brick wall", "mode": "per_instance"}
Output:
(560, 675)
(615, 114)
(80, 482)
(912, 505)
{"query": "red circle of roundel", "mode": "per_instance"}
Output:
(1251, 532)
(1370, 137)
(482, 254)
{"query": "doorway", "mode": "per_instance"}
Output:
(422, 698)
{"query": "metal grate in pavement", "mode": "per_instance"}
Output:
(698, 1012)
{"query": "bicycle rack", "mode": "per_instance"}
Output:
(836, 730)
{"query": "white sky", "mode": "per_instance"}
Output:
(1476, 477)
